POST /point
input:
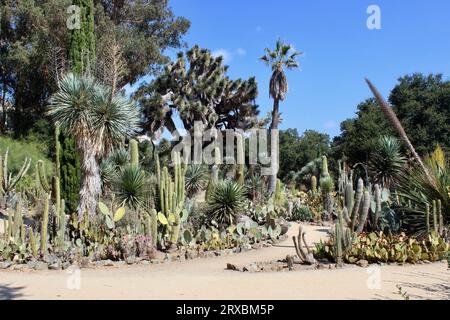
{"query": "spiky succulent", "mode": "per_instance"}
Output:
(387, 164)
(130, 186)
(196, 179)
(226, 202)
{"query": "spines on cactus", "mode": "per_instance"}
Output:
(314, 184)
(134, 152)
(153, 226)
(435, 218)
(358, 200)
(377, 195)
(44, 226)
(172, 197)
(33, 243)
(364, 212)
(43, 176)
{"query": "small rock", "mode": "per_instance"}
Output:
(251, 268)
(237, 250)
(65, 265)
(40, 266)
(31, 264)
(131, 260)
(362, 263)
(145, 262)
(160, 255)
(256, 246)
(108, 263)
(274, 268)
(233, 267)
(5, 264)
(191, 254)
(54, 266)
(84, 262)
(19, 267)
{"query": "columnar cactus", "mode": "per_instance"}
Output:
(42, 175)
(61, 225)
(377, 195)
(18, 220)
(441, 217)
(358, 199)
(342, 240)
(134, 152)
(435, 218)
(305, 256)
(57, 150)
(172, 197)
(33, 243)
(314, 184)
(153, 226)
(44, 225)
(427, 217)
(364, 212)
(8, 181)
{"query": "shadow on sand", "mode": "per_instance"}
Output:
(8, 292)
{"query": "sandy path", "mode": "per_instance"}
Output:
(208, 279)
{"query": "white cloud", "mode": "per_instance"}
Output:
(241, 52)
(227, 56)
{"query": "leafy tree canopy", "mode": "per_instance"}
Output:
(422, 104)
(34, 40)
(296, 151)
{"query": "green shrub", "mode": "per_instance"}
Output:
(19, 150)
(301, 212)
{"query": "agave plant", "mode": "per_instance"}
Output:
(226, 202)
(196, 179)
(421, 188)
(110, 167)
(130, 186)
(387, 164)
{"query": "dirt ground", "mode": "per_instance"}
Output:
(205, 279)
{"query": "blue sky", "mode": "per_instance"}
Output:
(339, 49)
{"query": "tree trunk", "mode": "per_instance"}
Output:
(90, 179)
(274, 126)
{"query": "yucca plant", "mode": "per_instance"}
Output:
(98, 120)
(420, 188)
(130, 186)
(387, 164)
(226, 202)
(196, 179)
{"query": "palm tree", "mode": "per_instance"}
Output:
(284, 56)
(98, 121)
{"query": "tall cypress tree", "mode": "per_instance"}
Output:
(82, 40)
(81, 55)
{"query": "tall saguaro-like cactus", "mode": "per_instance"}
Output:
(172, 197)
